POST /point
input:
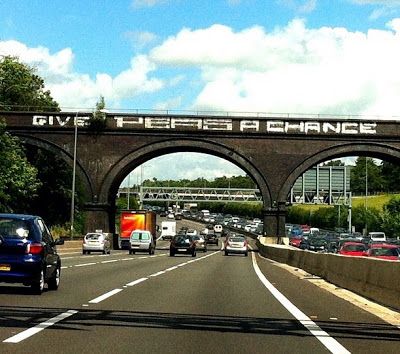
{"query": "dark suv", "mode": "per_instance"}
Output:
(27, 252)
(211, 238)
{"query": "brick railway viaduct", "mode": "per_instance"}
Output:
(273, 149)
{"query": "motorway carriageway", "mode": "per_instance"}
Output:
(139, 303)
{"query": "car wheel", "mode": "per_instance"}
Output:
(83, 252)
(54, 282)
(246, 254)
(226, 253)
(38, 286)
(88, 252)
(104, 251)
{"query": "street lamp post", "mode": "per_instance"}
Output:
(74, 176)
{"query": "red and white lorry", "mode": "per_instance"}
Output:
(131, 220)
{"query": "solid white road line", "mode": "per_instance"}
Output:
(104, 296)
(40, 327)
(330, 343)
(110, 261)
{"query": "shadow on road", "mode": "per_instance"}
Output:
(89, 319)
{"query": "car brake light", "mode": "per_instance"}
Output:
(34, 248)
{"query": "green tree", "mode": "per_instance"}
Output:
(55, 191)
(334, 163)
(18, 179)
(97, 123)
(21, 89)
(391, 173)
(391, 218)
(366, 166)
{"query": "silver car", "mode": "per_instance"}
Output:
(201, 244)
(141, 241)
(96, 242)
(236, 244)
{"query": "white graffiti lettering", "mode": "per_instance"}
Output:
(327, 127)
(249, 125)
(123, 122)
(59, 120)
(368, 128)
(157, 123)
(275, 126)
(186, 123)
(218, 124)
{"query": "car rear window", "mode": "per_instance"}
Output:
(237, 239)
(14, 228)
(182, 239)
(355, 248)
(93, 236)
(385, 252)
(140, 236)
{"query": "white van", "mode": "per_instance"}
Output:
(168, 229)
(218, 229)
(377, 236)
(141, 240)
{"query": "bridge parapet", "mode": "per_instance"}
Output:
(271, 124)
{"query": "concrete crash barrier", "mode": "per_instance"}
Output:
(70, 246)
(375, 279)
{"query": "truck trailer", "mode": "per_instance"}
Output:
(135, 220)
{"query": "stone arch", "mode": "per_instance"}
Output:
(119, 171)
(66, 156)
(382, 151)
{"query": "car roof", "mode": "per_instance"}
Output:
(383, 245)
(18, 216)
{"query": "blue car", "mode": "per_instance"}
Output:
(28, 253)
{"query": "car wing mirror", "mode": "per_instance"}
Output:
(59, 241)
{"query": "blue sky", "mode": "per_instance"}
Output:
(293, 56)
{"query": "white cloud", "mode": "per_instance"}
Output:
(140, 39)
(292, 69)
(76, 90)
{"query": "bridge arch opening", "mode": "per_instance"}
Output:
(369, 170)
(164, 149)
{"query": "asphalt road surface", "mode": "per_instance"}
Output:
(211, 303)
